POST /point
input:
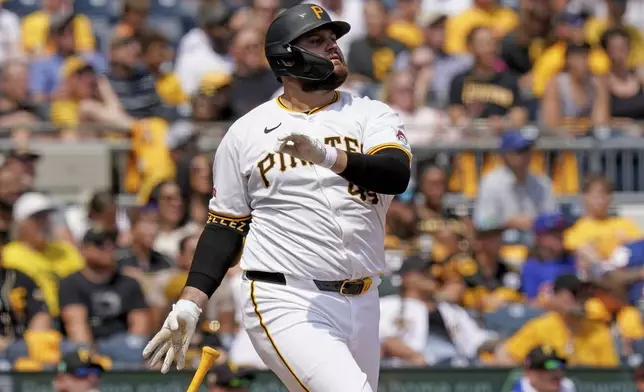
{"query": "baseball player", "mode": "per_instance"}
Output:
(307, 179)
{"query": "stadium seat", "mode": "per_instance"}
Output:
(171, 26)
(102, 30)
(95, 8)
(506, 321)
(22, 7)
(166, 8)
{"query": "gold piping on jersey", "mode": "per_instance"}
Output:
(270, 338)
(280, 103)
(375, 149)
(229, 217)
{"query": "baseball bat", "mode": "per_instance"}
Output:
(208, 356)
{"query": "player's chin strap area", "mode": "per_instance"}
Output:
(344, 287)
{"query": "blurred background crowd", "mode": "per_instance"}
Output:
(483, 281)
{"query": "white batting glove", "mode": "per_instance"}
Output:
(306, 148)
(174, 337)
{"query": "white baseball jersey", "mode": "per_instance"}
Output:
(306, 220)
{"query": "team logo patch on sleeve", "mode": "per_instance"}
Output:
(400, 135)
(214, 192)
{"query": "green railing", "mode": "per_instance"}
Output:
(400, 380)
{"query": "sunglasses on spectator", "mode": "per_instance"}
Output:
(86, 372)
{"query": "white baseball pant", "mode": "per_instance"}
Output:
(314, 341)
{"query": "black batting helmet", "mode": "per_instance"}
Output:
(287, 59)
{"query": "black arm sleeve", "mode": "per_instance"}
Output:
(387, 171)
(216, 252)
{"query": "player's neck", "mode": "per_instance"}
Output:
(300, 101)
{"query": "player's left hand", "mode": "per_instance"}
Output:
(174, 337)
(301, 146)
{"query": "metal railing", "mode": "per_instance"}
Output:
(621, 159)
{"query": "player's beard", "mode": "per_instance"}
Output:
(332, 82)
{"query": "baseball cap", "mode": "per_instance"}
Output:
(213, 81)
(60, 22)
(30, 204)
(518, 139)
(214, 15)
(413, 264)
(98, 237)
(228, 375)
(488, 225)
(23, 154)
(550, 222)
(80, 364)
(544, 358)
(572, 19)
(569, 282)
(74, 65)
(427, 19)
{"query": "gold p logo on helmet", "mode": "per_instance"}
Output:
(317, 11)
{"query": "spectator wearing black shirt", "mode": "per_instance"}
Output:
(253, 82)
(440, 232)
(521, 47)
(100, 306)
(374, 55)
(486, 90)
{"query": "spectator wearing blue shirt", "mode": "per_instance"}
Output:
(45, 73)
(544, 372)
(549, 258)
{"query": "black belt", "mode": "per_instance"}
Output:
(344, 287)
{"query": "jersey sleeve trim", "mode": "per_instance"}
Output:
(239, 224)
(375, 149)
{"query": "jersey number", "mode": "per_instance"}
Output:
(365, 195)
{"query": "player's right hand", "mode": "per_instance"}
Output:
(174, 337)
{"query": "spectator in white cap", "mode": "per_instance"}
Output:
(35, 252)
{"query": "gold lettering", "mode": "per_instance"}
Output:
(282, 162)
(487, 93)
(317, 11)
(264, 166)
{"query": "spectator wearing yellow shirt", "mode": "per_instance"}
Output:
(484, 13)
(553, 60)
(582, 342)
(35, 29)
(45, 72)
(35, 252)
(157, 54)
(404, 27)
(597, 234)
(596, 27)
(79, 84)
(610, 305)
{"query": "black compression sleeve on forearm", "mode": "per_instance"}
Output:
(385, 172)
(216, 252)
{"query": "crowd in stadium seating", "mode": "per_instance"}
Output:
(481, 287)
